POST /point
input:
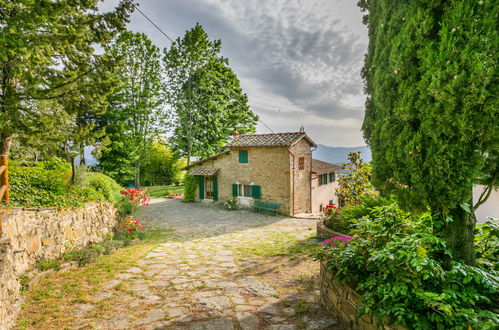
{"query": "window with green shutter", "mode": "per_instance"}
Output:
(324, 179)
(256, 192)
(332, 177)
(201, 187)
(215, 188)
(243, 156)
(235, 189)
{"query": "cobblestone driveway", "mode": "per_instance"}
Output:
(234, 270)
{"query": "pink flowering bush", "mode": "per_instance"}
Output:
(394, 260)
(337, 240)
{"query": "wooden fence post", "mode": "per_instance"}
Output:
(4, 178)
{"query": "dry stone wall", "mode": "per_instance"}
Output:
(32, 234)
(343, 302)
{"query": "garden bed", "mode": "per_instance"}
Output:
(324, 232)
(343, 302)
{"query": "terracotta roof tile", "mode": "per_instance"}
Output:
(268, 140)
(204, 171)
(320, 167)
(226, 152)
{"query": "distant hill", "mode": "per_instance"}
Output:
(339, 155)
(335, 155)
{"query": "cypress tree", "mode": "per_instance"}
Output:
(431, 111)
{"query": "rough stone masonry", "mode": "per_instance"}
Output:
(32, 234)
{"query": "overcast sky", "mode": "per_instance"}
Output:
(298, 61)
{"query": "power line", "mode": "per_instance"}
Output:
(210, 76)
(150, 21)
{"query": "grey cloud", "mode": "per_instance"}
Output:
(293, 51)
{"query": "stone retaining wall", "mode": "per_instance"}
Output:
(343, 302)
(32, 234)
(325, 232)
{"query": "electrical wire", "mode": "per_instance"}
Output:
(210, 76)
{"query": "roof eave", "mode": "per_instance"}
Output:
(201, 161)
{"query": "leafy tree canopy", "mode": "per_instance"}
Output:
(136, 114)
(206, 95)
(47, 52)
(354, 185)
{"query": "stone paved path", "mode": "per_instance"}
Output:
(226, 278)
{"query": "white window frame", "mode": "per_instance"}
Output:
(244, 200)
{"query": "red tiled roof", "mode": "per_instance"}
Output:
(320, 167)
(268, 140)
(226, 152)
(204, 171)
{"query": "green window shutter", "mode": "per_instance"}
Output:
(324, 177)
(234, 190)
(215, 188)
(256, 192)
(201, 187)
(243, 156)
(332, 177)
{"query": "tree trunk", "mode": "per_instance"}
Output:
(137, 173)
(82, 154)
(73, 170)
(189, 147)
(459, 235)
(6, 144)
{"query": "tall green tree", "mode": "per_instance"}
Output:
(432, 108)
(354, 185)
(136, 115)
(206, 95)
(47, 52)
(160, 166)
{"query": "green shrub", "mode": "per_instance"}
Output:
(349, 215)
(394, 261)
(487, 245)
(82, 255)
(122, 240)
(44, 264)
(47, 184)
(125, 208)
(190, 188)
(230, 204)
(104, 185)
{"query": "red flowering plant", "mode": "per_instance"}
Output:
(331, 217)
(132, 199)
(138, 196)
(131, 227)
(330, 210)
(177, 195)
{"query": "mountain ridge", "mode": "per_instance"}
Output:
(339, 155)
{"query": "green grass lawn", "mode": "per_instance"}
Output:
(160, 191)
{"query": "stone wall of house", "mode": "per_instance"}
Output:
(343, 302)
(300, 180)
(31, 234)
(268, 167)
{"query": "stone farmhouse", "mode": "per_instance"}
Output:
(276, 168)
